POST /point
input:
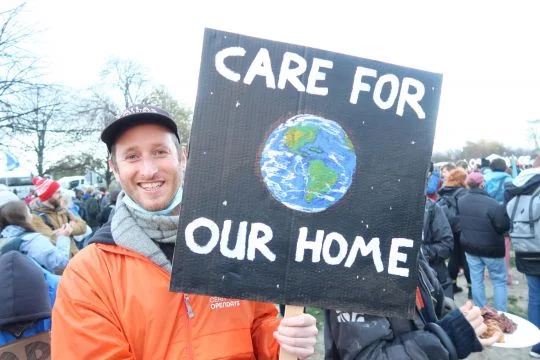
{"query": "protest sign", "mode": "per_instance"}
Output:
(37, 347)
(305, 178)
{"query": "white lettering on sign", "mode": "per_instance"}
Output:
(190, 238)
(239, 250)
(292, 74)
(333, 248)
(261, 65)
(256, 242)
(342, 245)
(220, 62)
(322, 245)
(373, 247)
(259, 235)
(315, 75)
(293, 66)
(396, 256)
(303, 244)
(405, 97)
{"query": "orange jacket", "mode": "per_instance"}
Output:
(113, 303)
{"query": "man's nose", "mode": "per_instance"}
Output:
(149, 168)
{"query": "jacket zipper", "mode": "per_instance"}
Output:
(190, 315)
(189, 309)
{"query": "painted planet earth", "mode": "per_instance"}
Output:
(308, 163)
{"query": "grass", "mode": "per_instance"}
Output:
(514, 308)
(317, 314)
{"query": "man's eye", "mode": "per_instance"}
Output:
(132, 157)
(160, 152)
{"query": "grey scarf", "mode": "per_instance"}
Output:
(140, 232)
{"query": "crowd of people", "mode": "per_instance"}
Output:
(97, 265)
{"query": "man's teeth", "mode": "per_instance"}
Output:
(151, 186)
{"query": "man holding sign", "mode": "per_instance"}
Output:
(114, 300)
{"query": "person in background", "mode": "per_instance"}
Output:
(104, 198)
(454, 187)
(438, 243)
(528, 263)
(435, 332)
(495, 182)
(91, 206)
(445, 170)
(484, 166)
(114, 299)
(68, 203)
(433, 183)
(25, 301)
(483, 223)
(463, 164)
(496, 179)
(106, 214)
(50, 217)
(16, 225)
(30, 197)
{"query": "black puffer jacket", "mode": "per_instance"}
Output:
(355, 336)
(483, 222)
(437, 242)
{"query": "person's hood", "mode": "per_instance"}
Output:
(525, 176)
(25, 294)
(449, 190)
(496, 176)
(12, 231)
(523, 186)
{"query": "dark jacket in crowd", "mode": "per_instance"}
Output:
(430, 335)
(483, 223)
(25, 302)
(437, 243)
(91, 206)
(527, 263)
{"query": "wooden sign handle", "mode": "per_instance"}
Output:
(290, 310)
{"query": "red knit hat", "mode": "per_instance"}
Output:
(45, 188)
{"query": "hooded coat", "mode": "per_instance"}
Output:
(25, 303)
(525, 184)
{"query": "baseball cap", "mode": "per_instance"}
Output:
(135, 115)
(475, 177)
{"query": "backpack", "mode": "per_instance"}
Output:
(524, 213)
(449, 205)
(12, 243)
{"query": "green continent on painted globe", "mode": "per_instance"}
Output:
(308, 163)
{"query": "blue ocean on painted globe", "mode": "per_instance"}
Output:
(308, 163)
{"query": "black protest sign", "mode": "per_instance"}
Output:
(305, 178)
(37, 347)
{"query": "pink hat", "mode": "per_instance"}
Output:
(475, 177)
(45, 188)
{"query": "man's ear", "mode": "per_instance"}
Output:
(114, 169)
(183, 156)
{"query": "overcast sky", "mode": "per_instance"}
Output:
(487, 51)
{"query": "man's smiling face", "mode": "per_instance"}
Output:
(148, 166)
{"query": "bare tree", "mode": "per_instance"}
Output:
(129, 78)
(183, 116)
(49, 123)
(18, 68)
